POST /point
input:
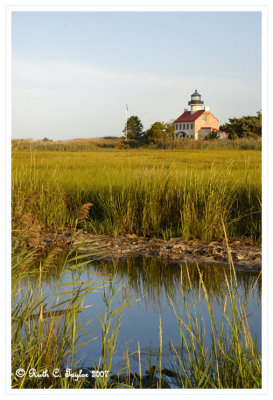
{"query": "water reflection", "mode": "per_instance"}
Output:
(156, 284)
(152, 279)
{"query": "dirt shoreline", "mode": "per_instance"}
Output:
(246, 255)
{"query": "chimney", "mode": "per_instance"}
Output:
(185, 109)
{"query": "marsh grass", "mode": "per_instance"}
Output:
(162, 193)
(45, 330)
(110, 325)
(210, 355)
(92, 144)
(213, 354)
(232, 359)
(41, 342)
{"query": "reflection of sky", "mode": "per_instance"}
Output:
(140, 321)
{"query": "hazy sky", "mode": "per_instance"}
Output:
(73, 72)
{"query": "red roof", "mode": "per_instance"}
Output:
(188, 117)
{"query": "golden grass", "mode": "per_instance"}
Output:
(158, 192)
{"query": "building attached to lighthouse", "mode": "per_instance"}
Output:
(198, 122)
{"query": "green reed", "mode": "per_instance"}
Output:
(231, 361)
(110, 324)
(163, 193)
(96, 144)
(45, 332)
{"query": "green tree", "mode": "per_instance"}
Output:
(212, 135)
(159, 131)
(169, 130)
(246, 126)
(133, 128)
(233, 136)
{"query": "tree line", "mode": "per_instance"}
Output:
(244, 127)
(158, 131)
(249, 126)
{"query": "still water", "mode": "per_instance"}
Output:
(156, 290)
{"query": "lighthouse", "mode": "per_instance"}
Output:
(195, 103)
(197, 123)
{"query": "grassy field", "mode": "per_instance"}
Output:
(191, 193)
(119, 143)
(186, 193)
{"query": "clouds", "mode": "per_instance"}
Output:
(62, 99)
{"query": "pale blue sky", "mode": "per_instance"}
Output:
(73, 72)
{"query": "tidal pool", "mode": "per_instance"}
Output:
(156, 290)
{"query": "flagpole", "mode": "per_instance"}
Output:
(126, 108)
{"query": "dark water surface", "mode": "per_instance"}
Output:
(155, 285)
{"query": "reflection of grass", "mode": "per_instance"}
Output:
(110, 324)
(46, 343)
(154, 279)
(166, 193)
(232, 361)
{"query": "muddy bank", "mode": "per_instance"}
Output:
(245, 254)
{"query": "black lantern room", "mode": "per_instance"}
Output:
(195, 99)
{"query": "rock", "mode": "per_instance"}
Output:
(131, 236)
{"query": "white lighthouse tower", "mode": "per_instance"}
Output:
(195, 103)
